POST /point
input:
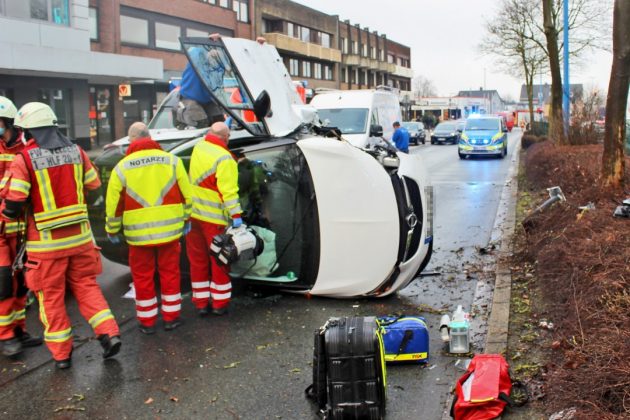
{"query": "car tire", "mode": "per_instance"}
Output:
(461, 156)
(432, 142)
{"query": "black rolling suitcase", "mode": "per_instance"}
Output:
(349, 379)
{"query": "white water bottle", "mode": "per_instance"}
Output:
(459, 332)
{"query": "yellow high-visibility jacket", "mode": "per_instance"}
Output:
(214, 179)
(150, 196)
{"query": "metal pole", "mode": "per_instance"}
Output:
(566, 105)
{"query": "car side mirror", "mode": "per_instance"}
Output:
(262, 105)
(376, 130)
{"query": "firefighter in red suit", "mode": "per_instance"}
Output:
(48, 180)
(149, 197)
(13, 335)
(214, 178)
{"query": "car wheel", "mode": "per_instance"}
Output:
(461, 156)
(432, 142)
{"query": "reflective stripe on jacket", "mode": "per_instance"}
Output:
(56, 186)
(149, 195)
(214, 179)
(7, 154)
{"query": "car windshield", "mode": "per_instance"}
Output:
(483, 124)
(216, 70)
(411, 125)
(348, 120)
(450, 127)
(163, 119)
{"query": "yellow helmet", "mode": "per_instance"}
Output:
(34, 115)
(7, 109)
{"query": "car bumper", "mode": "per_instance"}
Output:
(493, 149)
(437, 139)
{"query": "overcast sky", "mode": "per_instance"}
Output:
(443, 36)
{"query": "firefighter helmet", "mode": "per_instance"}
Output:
(34, 115)
(7, 109)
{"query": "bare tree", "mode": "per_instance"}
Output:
(588, 29)
(556, 129)
(613, 165)
(511, 38)
(423, 87)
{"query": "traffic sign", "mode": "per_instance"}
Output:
(124, 90)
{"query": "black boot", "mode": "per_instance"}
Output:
(11, 347)
(111, 345)
(220, 311)
(171, 325)
(26, 339)
(204, 311)
(63, 364)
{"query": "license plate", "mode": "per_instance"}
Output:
(441, 139)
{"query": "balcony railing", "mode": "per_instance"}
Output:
(287, 43)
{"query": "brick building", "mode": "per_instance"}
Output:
(74, 54)
(328, 53)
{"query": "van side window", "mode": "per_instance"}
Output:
(374, 120)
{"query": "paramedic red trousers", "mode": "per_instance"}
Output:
(217, 285)
(12, 309)
(142, 262)
(48, 279)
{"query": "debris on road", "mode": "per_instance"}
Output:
(231, 365)
(623, 210)
(148, 400)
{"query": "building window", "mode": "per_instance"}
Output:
(55, 11)
(328, 72)
(305, 34)
(344, 45)
(224, 3)
(390, 58)
(294, 67)
(306, 69)
(134, 30)
(399, 61)
(93, 19)
(196, 33)
(241, 9)
(325, 40)
(61, 103)
(290, 29)
(373, 52)
(355, 47)
(344, 74)
(381, 55)
(361, 77)
(167, 36)
(364, 50)
(317, 70)
(210, 1)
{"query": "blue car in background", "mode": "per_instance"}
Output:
(483, 136)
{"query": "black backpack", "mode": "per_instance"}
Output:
(349, 378)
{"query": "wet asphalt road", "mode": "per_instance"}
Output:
(255, 362)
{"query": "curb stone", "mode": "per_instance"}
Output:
(502, 233)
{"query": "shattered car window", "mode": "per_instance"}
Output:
(216, 70)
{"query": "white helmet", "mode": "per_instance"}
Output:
(34, 115)
(7, 109)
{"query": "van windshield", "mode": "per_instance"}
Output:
(347, 120)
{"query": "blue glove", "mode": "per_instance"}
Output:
(187, 228)
(237, 222)
(115, 239)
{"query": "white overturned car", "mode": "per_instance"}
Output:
(336, 220)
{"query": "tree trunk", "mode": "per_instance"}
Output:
(556, 125)
(529, 82)
(613, 164)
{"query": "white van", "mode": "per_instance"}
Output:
(361, 115)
